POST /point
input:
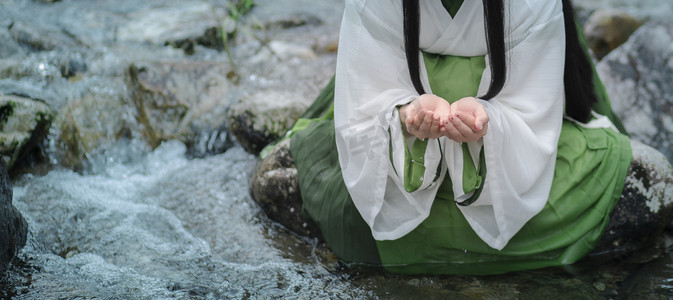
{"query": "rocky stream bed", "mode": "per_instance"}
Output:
(129, 130)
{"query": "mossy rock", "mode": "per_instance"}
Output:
(24, 123)
(263, 117)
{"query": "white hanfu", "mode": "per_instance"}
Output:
(372, 79)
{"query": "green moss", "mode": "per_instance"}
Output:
(6, 111)
(44, 116)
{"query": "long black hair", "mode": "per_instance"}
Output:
(578, 75)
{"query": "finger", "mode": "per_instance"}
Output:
(468, 133)
(434, 127)
(410, 121)
(462, 127)
(426, 123)
(466, 118)
(453, 133)
(416, 120)
(481, 119)
(483, 131)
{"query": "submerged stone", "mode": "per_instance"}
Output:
(100, 115)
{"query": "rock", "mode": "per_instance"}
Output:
(8, 47)
(263, 117)
(275, 187)
(282, 51)
(37, 38)
(43, 66)
(606, 29)
(211, 38)
(158, 25)
(285, 50)
(295, 19)
(178, 100)
(276, 15)
(331, 47)
(645, 207)
(210, 142)
(640, 9)
(638, 78)
(99, 116)
(24, 123)
(13, 227)
(649, 281)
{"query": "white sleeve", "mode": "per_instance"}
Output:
(524, 125)
(372, 78)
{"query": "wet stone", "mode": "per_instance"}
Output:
(13, 227)
(294, 20)
(180, 21)
(211, 38)
(209, 142)
(178, 100)
(24, 123)
(35, 37)
(99, 116)
(645, 207)
(263, 117)
(607, 29)
(8, 47)
(638, 78)
(275, 187)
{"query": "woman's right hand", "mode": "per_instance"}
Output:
(425, 117)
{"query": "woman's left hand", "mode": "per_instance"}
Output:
(468, 121)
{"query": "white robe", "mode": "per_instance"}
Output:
(372, 78)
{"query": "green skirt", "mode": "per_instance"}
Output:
(590, 171)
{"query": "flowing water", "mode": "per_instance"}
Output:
(140, 223)
(159, 226)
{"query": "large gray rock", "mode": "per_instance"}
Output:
(179, 100)
(13, 226)
(638, 78)
(263, 117)
(24, 123)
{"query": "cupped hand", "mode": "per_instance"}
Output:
(468, 121)
(426, 116)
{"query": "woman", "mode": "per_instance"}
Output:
(471, 156)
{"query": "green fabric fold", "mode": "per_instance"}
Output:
(473, 178)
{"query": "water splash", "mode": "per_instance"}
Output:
(159, 226)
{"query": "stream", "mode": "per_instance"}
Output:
(124, 220)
